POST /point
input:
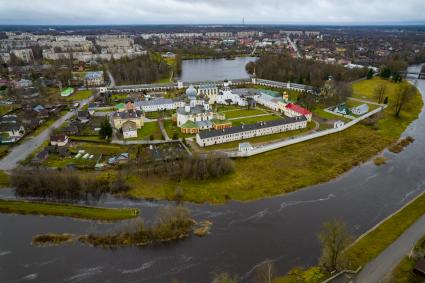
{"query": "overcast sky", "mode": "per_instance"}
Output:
(211, 11)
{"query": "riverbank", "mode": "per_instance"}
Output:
(288, 169)
(403, 272)
(67, 210)
(376, 240)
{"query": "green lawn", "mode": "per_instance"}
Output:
(157, 114)
(365, 89)
(243, 113)
(119, 96)
(148, 129)
(377, 240)
(274, 173)
(320, 112)
(172, 129)
(254, 120)
(80, 95)
(4, 179)
(68, 210)
(4, 109)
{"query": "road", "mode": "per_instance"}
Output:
(111, 79)
(294, 46)
(20, 152)
(383, 264)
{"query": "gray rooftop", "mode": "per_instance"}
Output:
(156, 101)
(193, 110)
(250, 127)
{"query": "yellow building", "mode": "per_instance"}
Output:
(120, 117)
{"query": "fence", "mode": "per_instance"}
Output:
(295, 140)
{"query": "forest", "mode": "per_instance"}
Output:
(284, 68)
(143, 69)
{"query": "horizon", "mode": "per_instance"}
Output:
(207, 12)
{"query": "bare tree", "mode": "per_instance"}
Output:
(380, 92)
(265, 273)
(403, 95)
(225, 278)
(334, 238)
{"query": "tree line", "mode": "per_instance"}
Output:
(197, 167)
(63, 185)
(142, 69)
(310, 72)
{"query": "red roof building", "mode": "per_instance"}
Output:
(293, 110)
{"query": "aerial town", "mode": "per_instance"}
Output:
(219, 153)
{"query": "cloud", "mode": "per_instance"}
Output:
(210, 11)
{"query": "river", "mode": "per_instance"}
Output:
(215, 69)
(281, 228)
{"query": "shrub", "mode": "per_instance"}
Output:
(379, 160)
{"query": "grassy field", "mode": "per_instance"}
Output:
(157, 114)
(80, 95)
(148, 129)
(254, 120)
(243, 113)
(370, 246)
(274, 173)
(403, 272)
(4, 109)
(172, 129)
(75, 211)
(4, 179)
(319, 112)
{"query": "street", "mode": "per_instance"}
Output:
(20, 152)
(383, 264)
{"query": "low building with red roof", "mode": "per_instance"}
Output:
(293, 110)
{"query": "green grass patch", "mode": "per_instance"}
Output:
(172, 129)
(371, 245)
(321, 113)
(80, 95)
(68, 210)
(254, 120)
(243, 113)
(4, 179)
(149, 129)
(403, 272)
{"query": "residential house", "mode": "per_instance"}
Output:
(40, 157)
(11, 132)
(83, 116)
(119, 159)
(129, 130)
(120, 117)
(342, 109)
(360, 110)
(94, 78)
(59, 140)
